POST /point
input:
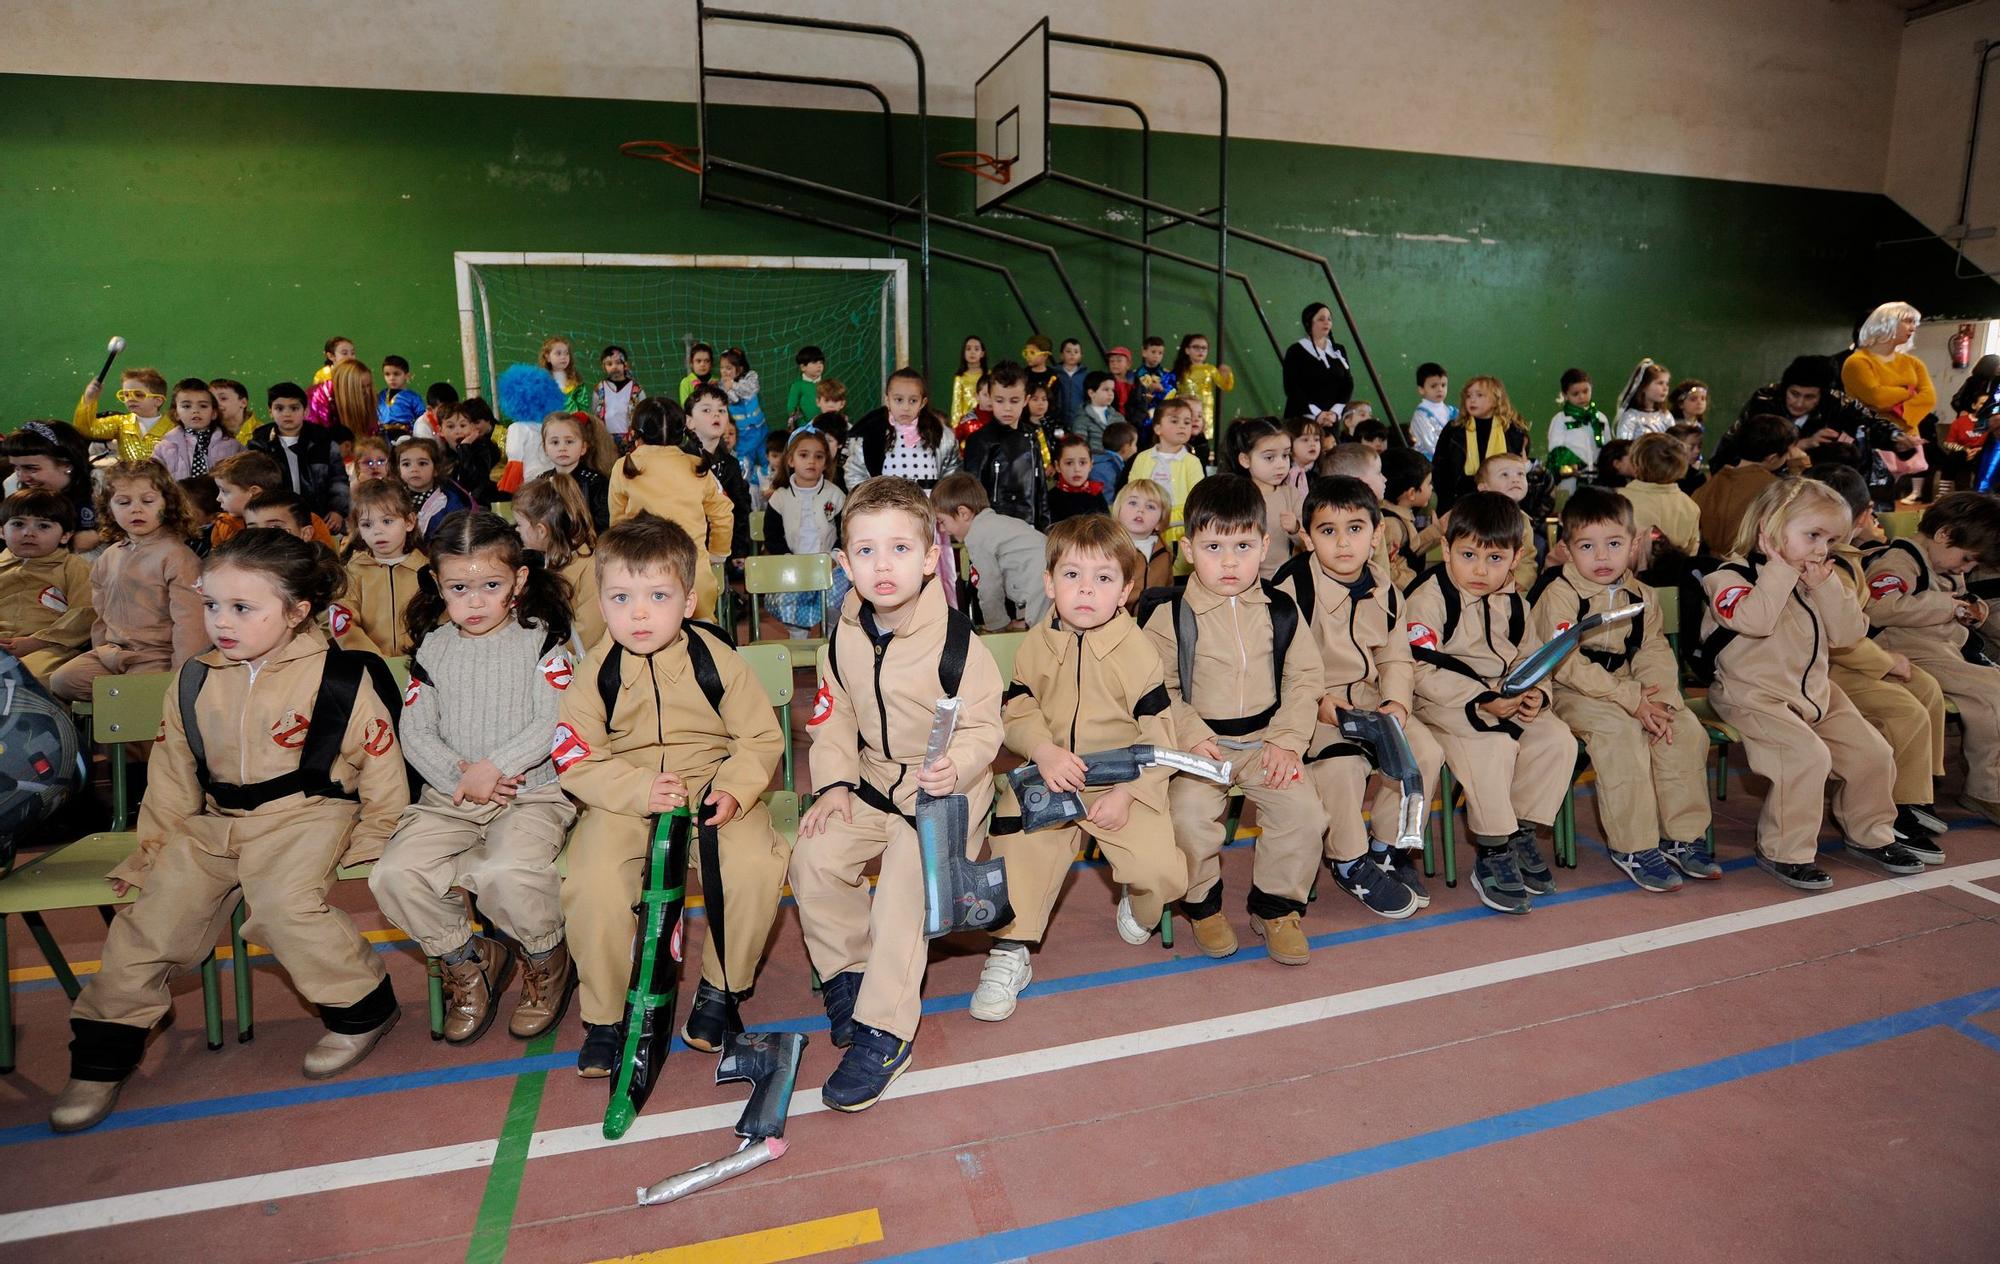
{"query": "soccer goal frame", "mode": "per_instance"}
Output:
(475, 329)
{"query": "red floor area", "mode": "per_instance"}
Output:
(1888, 1149)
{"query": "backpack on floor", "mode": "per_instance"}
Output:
(39, 765)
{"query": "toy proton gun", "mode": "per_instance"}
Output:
(656, 971)
(959, 893)
(769, 1062)
(1382, 737)
(1540, 665)
(1042, 807)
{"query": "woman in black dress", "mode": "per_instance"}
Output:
(1317, 376)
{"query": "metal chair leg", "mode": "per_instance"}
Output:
(211, 1002)
(434, 969)
(239, 969)
(1447, 828)
(52, 953)
(1167, 927)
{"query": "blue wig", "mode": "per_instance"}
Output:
(528, 393)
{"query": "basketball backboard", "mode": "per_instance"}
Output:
(1010, 112)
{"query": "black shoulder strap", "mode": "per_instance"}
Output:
(706, 674)
(957, 642)
(1295, 576)
(1284, 626)
(1449, 595)
(194, 674)
(1923, 567)
(1548, 577)
(833, 653)
(715, 630)
(1517, 618)
(339, 686)
(608, 673)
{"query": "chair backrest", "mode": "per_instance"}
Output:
(399, 667)
(1669, 598)
(505, 508)
(1004, 645)
(128, 708)
(788, 573)
(772, 664)
(757, 525)
(1901, 524)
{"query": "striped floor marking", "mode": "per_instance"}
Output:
(358, 1173)
(772, 1246)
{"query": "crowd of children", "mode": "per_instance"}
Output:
(1235, 590)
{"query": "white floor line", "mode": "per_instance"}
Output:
(1973, 888)
(123, 1209)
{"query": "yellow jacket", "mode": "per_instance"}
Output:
(585, 615)
(1201, 382)
(370, 614)
(964, 396)
(133, 440)
(1899, 386)
(668, 486)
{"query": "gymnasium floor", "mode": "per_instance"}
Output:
(1732, 1071)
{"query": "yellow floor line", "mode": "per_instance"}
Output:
(771, 1246)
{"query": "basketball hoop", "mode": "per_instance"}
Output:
(978, 163)
(686, 157)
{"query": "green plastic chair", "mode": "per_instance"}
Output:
(757, 530)
(125, 710)
(771, 662)
(788, 573)
(1003, 645)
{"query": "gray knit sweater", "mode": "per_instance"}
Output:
(490, 697)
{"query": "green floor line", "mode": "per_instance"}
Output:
(510, 1160)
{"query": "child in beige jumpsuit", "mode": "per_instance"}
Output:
(306, 793)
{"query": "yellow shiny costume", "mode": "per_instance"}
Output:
(964, 396)
(125, 431)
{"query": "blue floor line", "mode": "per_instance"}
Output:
(1172, 1209)
(1974, 1030)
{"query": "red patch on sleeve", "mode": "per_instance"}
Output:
(339, 618)
(1884, 585)
(567, 749)
(1422, 637)
(1725, 601)
(411, 690)
(556, 669)
(822, 705)
(290, 730)
(52, 598)
(379, 738)
(1564, 626)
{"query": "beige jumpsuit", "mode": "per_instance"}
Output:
(1908, 714)
(1915, 609)
(47, 598)
(148, 614)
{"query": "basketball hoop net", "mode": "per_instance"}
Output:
(978, 163)
(686, 157)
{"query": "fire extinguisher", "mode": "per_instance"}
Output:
(1961, 347)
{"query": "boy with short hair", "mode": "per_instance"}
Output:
(1507, 474)
(1372, 434)
(664, 714)
(1355, 613)
(1169, 462)
(1918, 605)
(238, 480)
(1233, 699)
(1467, 627)
(45, 599)
(617, 393)
(1659, 462)
(1406, 489)
(306, 456)
(133, 434)
(1110, 466)
(1431, 415)
(804, 394)
(1127, 399)
(1620, 693)
(1760, 447)
(1364, 465)
(1067, 389)
(896, 649)
(395, 404)
(1901, 700)
(1154, 380)
(1056, 711)
(1005, 457)
(1099, 411)
(830, 396)
(1005, 555)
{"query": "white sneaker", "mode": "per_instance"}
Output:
(1007, 972)
(1129, 929)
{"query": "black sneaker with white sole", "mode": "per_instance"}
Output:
(1403, 864)
(602, 1047)
(1497, 880)
(1528, 858)
(1896, 858)
(1924, 848)
(1377, 888)
(1804, 877)
(1918, 818)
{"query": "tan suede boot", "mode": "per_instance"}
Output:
(1283, 938)
(545, 990)
(469, 989)
(1214, 936)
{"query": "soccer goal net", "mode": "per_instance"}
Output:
(657, 306)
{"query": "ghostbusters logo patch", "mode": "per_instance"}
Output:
(1725, 601)
(1886, 585)
(674, 942)
(411, 690)
(556, 669)
(822, 705)
(1564, 626)
(378, 738)
(567, 749)
(339, 618)
(52, 598)
(1423, 637)
(290, 730)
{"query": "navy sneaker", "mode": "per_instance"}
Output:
(839, 993)
(1377, 888)
(1896, 858)
(1535, 873)
(1695, 858)
(1403, 864)
(1648, 868)
(1497, 879)
(708, 1023)
(1805, 877)
(866, 1071)
(602, 1043)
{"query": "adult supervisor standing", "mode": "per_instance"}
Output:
(1317, 376)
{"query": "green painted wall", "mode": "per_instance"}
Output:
(226, 231)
